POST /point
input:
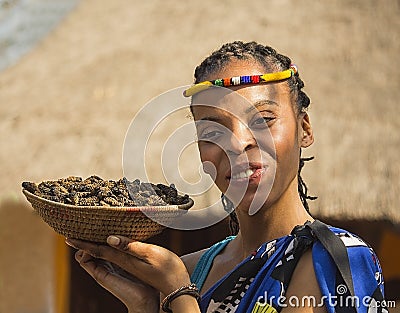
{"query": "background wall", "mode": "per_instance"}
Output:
(65, 106)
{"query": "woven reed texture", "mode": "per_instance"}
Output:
(96, 223)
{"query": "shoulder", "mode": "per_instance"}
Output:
(356, 247)
(360, 254)
(190, 260)
(349, 239)
(364, 266)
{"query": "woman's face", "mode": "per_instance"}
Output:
(250, 139)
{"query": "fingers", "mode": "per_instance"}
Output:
(97, 270)
(129, 292)
(94, 249)
(137, 249)
(101, 251)
(120, 252)
(148, 258)
(117, 242)
(151, 264)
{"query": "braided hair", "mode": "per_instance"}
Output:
(272, 61)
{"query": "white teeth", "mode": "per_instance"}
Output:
(245, 174)
(249, 172)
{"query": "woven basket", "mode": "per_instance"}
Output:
(96, 223)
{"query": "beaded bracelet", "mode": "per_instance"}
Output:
(190, 290)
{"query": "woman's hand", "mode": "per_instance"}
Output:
(154, 269)
(136, 295)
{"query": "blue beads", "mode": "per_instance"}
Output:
(245, 79)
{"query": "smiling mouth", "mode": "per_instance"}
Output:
(248, 173)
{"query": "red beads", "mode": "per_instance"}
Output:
(255, 79)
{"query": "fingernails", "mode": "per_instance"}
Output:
(113, 240)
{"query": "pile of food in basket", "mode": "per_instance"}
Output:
(94, 208)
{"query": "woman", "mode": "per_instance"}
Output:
(252, 135)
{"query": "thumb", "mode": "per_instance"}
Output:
(119, 242)
(135, 248)
(144, 252)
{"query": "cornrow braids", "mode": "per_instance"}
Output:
(264, 55)
(272, 61)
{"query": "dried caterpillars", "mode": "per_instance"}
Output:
(94, 191)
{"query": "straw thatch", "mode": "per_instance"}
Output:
(66, 105)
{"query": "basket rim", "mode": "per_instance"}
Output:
(181, 207)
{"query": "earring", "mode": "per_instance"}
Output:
(227, 204)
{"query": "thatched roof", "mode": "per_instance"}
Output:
(66, 105)
(342, 212)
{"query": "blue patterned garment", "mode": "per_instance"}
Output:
(258, 284)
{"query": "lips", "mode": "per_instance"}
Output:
(246, 171)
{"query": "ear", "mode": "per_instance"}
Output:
(307, 136)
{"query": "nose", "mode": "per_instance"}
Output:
(240, 140)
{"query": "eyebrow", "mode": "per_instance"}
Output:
(211, 118)
(261, 103)
(248, 110)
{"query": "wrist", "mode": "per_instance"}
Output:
(186, 296)
(185, 303)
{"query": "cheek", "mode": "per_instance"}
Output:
(216, 164)
(211, 157)
(286, 145)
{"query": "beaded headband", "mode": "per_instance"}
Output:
(241, 80)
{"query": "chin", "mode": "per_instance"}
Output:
(251, 201)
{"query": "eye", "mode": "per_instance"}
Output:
(261, 121)
(210, 134)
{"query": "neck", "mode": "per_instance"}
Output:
(270, 222)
